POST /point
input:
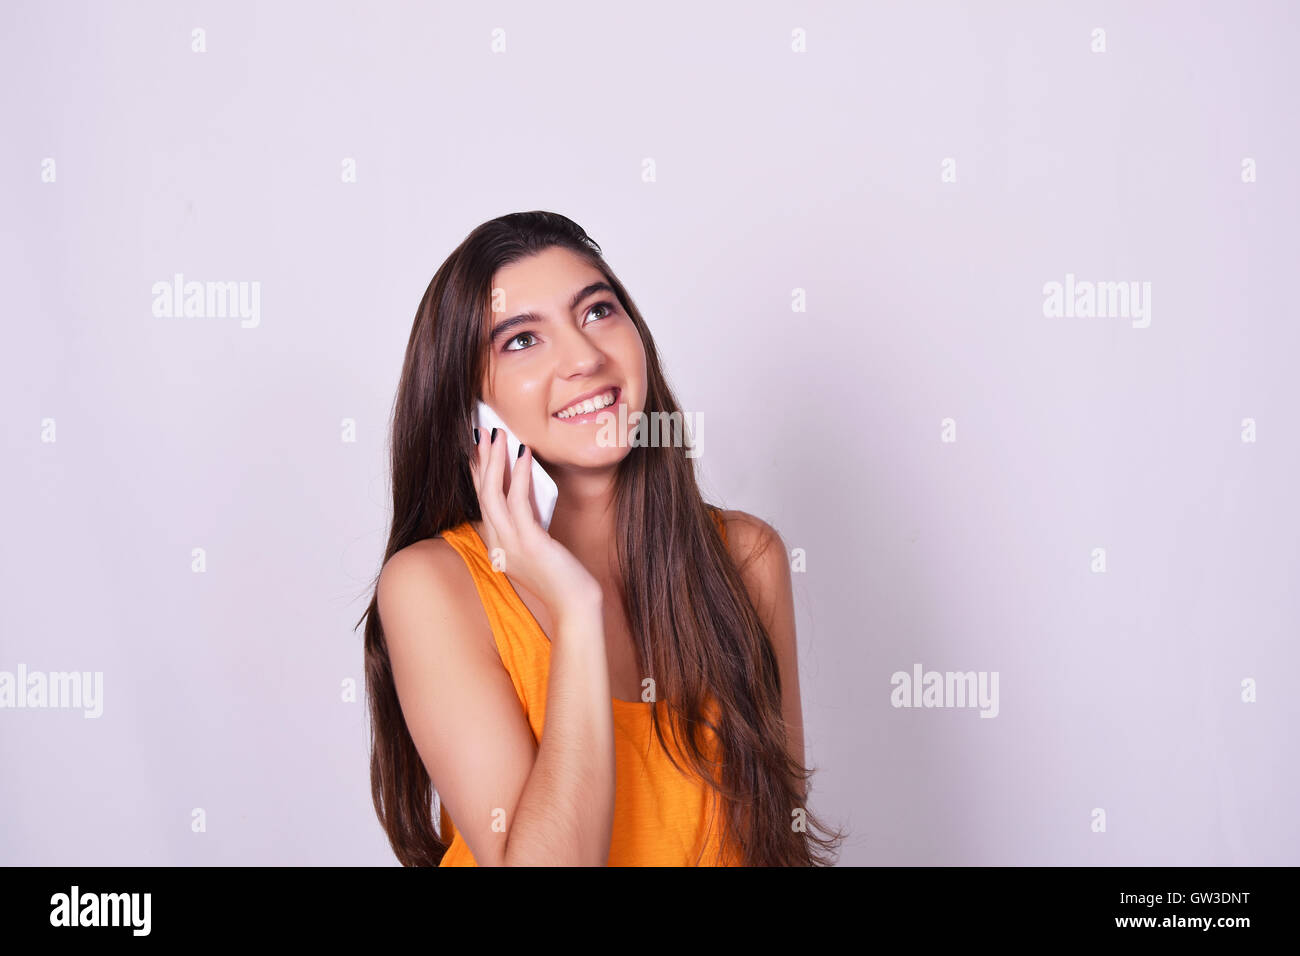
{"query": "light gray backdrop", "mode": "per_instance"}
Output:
(841, 220)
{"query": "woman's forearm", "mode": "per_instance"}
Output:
(565, 815)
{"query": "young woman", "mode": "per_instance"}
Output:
(619, 688)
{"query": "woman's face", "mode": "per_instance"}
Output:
(559, 335)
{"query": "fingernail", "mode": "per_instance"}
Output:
(476, 436)
(520, 453)
(494, 434)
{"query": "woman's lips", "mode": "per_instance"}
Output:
(589, 417)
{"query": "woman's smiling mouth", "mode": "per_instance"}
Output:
(588, 407)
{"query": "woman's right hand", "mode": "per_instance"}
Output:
(526, 551)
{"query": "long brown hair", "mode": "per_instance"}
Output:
(695, 630)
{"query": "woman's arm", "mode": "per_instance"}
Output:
(566, 812)
(514, 802)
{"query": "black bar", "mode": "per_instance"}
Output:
(332, 905)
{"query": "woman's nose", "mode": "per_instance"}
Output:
(578, 353)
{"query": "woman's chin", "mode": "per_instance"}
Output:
(594, 456)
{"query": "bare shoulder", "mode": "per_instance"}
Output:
(430, 562)
(751, 539)
(429, 579)
(433, 552)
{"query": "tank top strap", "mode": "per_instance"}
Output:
(465, 540)
(521, 643)
(494, 589)
(719, 521)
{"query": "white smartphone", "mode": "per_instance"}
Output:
(545, 494)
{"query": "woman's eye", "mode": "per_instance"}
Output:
(609, 309)
(509, 346)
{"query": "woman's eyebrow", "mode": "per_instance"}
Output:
(523, 318)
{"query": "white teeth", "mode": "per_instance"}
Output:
(590, 405)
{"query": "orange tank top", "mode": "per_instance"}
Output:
(662, 816)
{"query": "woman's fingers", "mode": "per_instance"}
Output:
(476, 460)
(478, 470)
(491, 495)
(520, 498)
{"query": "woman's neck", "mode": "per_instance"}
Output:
(585, 518)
